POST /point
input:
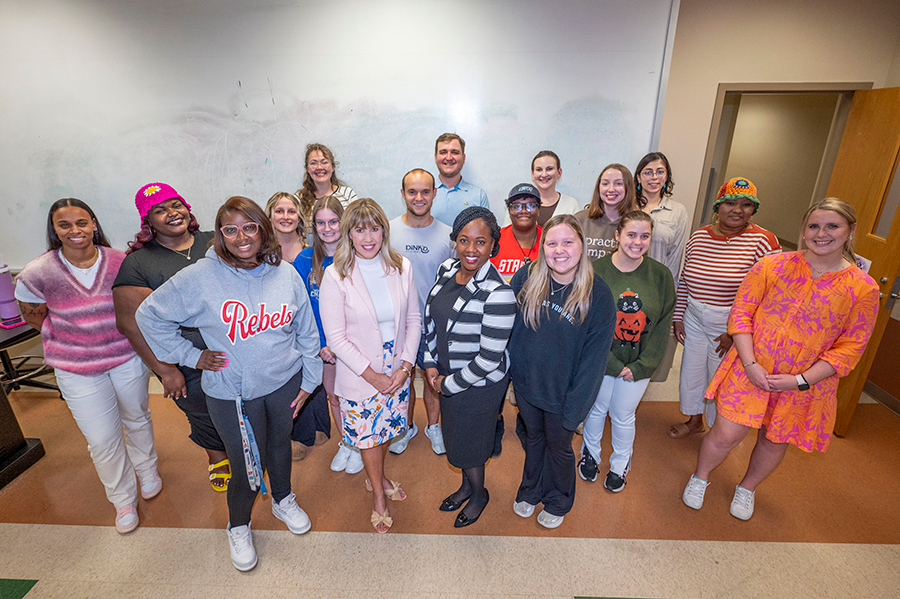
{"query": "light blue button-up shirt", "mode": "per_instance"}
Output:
(450, 201)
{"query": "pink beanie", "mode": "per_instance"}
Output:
(152, 194)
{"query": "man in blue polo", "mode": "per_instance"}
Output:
(453, 194)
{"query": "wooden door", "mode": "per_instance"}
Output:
(865, 167)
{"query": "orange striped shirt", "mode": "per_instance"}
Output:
(715, 265)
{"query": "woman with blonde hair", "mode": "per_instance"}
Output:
(800, 321)
(370, 316)
(311, 264)
(614, 195)
(321, 180)
(565, 325)
(289, 222)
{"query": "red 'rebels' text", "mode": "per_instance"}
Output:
(240, 322)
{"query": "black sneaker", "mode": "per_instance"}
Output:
(498, 438)
(614, 482)
(587, 467)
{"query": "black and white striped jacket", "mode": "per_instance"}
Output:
(478, 329)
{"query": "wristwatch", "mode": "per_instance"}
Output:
(802, 385)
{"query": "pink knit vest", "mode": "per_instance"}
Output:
(79, 333)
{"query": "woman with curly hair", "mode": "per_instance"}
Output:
(169, 240)
(321, 180)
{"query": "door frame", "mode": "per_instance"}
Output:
(703, 204)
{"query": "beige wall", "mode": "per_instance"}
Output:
(719, 41)
(778, 144)
(893, 77)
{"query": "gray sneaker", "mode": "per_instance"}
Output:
(434, 434)
(694, 492)
(742, 504)
(398, 445)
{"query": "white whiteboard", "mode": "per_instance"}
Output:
(220, 97)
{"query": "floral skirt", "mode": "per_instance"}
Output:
(376, 420)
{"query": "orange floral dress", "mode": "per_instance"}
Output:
(795, 321)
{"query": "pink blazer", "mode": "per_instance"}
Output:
(351, 328)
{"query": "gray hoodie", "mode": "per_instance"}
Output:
(260, 318)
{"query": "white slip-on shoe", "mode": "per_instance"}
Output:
(523, 508)
(339, 463)
(548, 520)
(354, 463)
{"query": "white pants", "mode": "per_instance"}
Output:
(102, 405)
(619, 398)
(702, 324)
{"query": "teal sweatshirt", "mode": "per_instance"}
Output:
(645, 301)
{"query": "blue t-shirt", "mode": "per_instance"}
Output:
(304, 263)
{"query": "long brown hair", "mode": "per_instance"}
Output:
(269, 248)
(536, 291)
(667, 187)
(629, 204)
(307, 193)
(319, 252)
(364, 212)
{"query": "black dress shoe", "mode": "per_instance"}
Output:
(462, 520)
(448, 505)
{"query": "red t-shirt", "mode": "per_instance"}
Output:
(512, 257)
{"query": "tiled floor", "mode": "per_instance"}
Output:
(825, 525)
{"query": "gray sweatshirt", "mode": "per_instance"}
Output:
(261, 319)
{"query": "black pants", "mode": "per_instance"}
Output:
(549, 473)
(314, 416)
(271, 417)
(203, 432)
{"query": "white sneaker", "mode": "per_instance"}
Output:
(694, 492)
(354, 462)
(151, 484)
(548, 520)
(742, 504)
(339, 463)
(240, 541)
(434, 434)
(523, 508)
(398, 445)
(292, 514)
(126, 518)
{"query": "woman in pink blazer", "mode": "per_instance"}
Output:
(370, 315)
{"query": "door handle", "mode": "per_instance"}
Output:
(894, 296)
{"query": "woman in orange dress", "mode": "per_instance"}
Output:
(800, 321)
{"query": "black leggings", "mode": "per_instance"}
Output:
(272, 418)
(203, 432)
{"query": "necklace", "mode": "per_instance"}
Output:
(90, 262)
(558, 289)
(525, 256)
(817, 272)
(182, 253)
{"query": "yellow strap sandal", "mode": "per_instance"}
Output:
(225, 476)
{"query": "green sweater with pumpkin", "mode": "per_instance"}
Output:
(645, 301)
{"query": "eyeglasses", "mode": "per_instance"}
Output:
(320, 224)
(527, 206)
(660, 172)
(231, 231)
